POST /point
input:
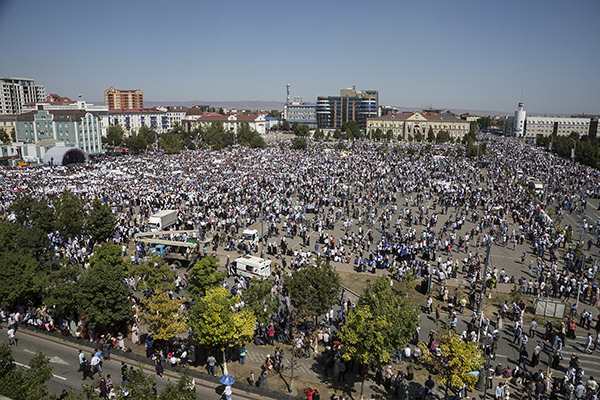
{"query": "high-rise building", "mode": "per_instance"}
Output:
(519, 122)
(15, 92)
(300, 112)
(117, 99)
(351, 105)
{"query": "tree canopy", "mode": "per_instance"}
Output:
(204, 276)
(164, 316)
(101, 222)
(313, 289)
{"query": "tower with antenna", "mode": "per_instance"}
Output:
(519, 120)
(287, 97)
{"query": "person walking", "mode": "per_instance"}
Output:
(80, 357)
(211, 361)
(12, 340)
(438, 312)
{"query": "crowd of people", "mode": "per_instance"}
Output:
(419, 214)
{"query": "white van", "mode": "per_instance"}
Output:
(250, 266)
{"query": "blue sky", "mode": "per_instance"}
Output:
(476, 54)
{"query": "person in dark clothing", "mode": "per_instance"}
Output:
(86, 368)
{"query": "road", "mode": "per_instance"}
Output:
(64, 363)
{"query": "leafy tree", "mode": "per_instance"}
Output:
(419, 137)
(285, 126)
(179, 390)
(215, 321)
(351, 130)
(69, 214)
(102, 294)
(318, 134)
(430, 135)
(23, 239)
(101, 222)
(457, 359)
(59, 289)
(363, 337)
(149, 135)
(249, 137)
(217, 137)
(301, 130)
(443, 136)
(21, 277)
(4, 138)
(18, 385)
(155, 274)
(258, 298)
(136, 142)
(484, 122)
(378, 134)
(170, 142)
(257, 141)
(176, 128)
(204, 276)
(164, 316)
(313, 289)
(299, 143)
(398, 310)
(389, 135)
(139, 384)
(221, 111)
(33, 212)
(337, 134)
(114, 135)
(274, 114)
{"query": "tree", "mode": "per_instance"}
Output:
(443, 136)
(484, 122)
(4, 138)
(23, 239)
(398, 310)
(378, 134)
(170, 142)
(164, 316)
(33, 212)
(180, 389)
(249, 137)
(215, 321)
(204, 276)
(155, 274)
(69, 218)
(274, 114)
(149, 135)
(285, 126)
(29, 385)
(101, 222)
(114, 135)
(136, 142)
(102, 294)
(318, 134)
(21, 277)
(313, 289)
(337, 134)
(59, 289)
(258, 298)
(301, 130)
(351, 130)
(430, 135)
(389, 135)
(419, 137)
(139, 384)
(457, 359)
(221, 111)
(363, 337)
(299, 143)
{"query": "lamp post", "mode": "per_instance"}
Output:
(573, 150)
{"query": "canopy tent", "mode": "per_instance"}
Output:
(62, 155)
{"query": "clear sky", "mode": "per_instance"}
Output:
(467, 54)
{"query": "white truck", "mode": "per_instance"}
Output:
(250, 266)
(537, 187)
(253, 234)
(162, 220)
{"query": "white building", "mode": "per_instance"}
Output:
(230, 122)
(174, 114)
(133, 119)
(519, 121)
(16, 92)
(546, 126)
(302, 113)
(100, 111)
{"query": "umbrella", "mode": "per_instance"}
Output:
(227, 380)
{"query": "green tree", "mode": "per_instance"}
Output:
(221, 111)
(443, 136)
(33, 212)
(299, 143)
(204, 276)
(149, 135)
(364, 341)
(114, 135)
(21, 277)
(70, 218)
(419, 137)
(286, 126)
(176, 128)
(337, 134)
(301, 130)
(274, 114)
(484, 122)
(351, 130)
(154, 273)
(101, 222)
(164, 316)
(179, 390)
(430, 135)
(457, 359)
(59, 289)
(139, 384)
(102, 294)
(215, 321)
(313, 289)
(23, 239)
(398, 310)
(247, 136)
(258, 298)
(378, 134)
(136, 142)
(4, 138)
(16, 384)
(170, 142)
(318, 134)
(389, 135)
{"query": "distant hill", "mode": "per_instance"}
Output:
(246, 105)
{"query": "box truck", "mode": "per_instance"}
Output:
(250, 266)
(162, 220)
